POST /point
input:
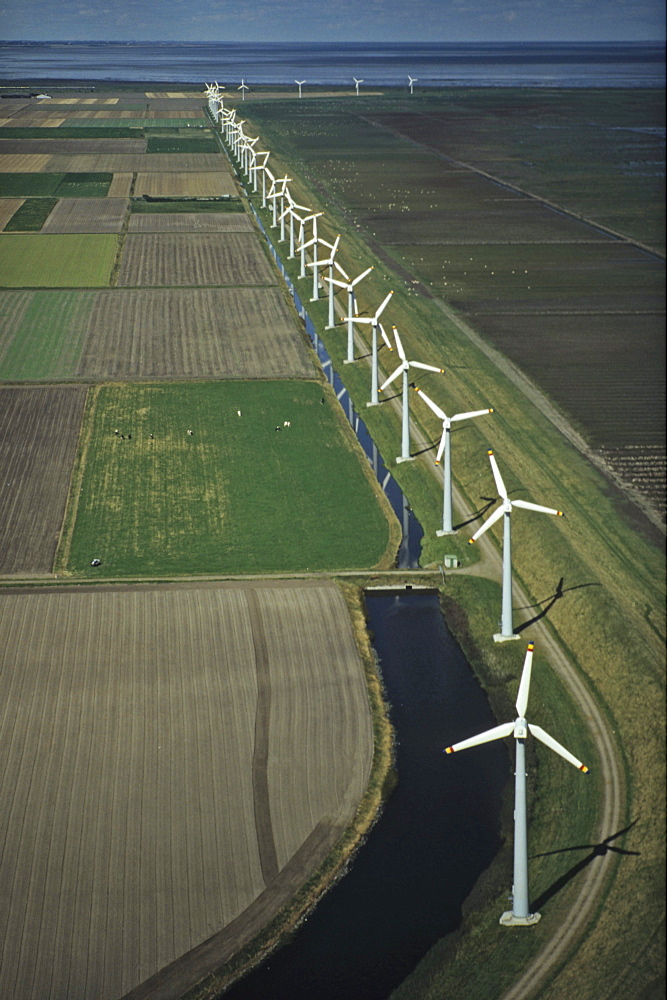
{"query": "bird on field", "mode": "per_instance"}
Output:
(238, 413)
(189, 433)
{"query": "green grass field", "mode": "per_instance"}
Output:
(178, 144)
(65, 185)
(236, 496)
(157, 206)
(58, 261)
(44, 332)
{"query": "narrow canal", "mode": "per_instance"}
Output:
(437, 833)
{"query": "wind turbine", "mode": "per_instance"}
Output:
(349, 285)
(300, 84)
(275, 194)
(403, 370)
(520, 729)
(504, 511)
(357, 85)
(243, 88)
(376, 325)
(255, 167)
(291, 211)
(444, 450)
(302, 244)
(330, 262)
(411, 81)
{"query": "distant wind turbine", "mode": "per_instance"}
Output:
(444, 450)
(243, 88)
(403, 370)
(520, 729)
(411, 81)
(300, 84)
(504, 510)
(357, 85)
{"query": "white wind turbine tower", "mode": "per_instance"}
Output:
(267, 174)
(243, 88)
(314, 242)
(300, 84)
(291, 211)
(403, 370)
(255, 167)
(444, 450)
(349, 285)
(411, 81)
(330, 262)
(302, 244)
(247, 151)
(504, 510)
(376, 325)
(357, 85)
(274, 194)
(520, 729)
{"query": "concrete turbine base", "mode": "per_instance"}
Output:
(508, 919)
(440, 533)
(409, 459)
(500, 637)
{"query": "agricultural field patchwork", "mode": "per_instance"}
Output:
(192, 259)
(34, 260)
(133, 756)
(279, 488)
(39, 430)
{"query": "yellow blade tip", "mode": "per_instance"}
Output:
(489, 451)
(449, 750)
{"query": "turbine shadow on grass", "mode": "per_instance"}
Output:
(549, 602)
(595, 851)
(480, 512)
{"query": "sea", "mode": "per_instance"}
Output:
(564, 64)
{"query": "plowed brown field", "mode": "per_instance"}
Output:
(158, 744)
(39, 429)
(203, 184)
(188, 259)
(87, 215)
(188, 222)
(193, 333)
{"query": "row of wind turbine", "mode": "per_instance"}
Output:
(520, 729)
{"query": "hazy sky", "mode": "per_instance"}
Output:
(333, 20)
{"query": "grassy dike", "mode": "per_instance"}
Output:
(610, 621)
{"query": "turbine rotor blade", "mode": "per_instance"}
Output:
(492, 519)
(550, 742)
(500, 486)
(471, 413)
(430, 403)
(491, 734)
(362, 275)
(427, 368)
(536, 506)
(385, 336)
(523, 693)
(397, 371)
(441, 446)
(400, 346)
(383, 304)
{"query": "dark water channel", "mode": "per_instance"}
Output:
(437, 833)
